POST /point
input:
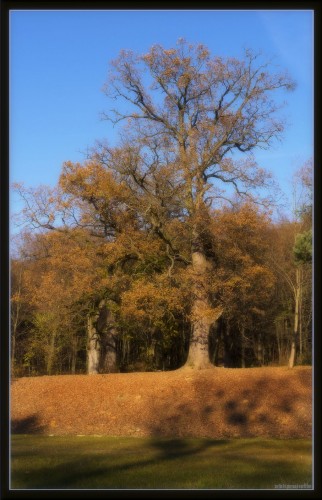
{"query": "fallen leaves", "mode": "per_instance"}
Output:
(270, 402)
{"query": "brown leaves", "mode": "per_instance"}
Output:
(275, 401)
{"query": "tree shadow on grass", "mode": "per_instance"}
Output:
(100, 467)
(232, 462)
(27, 425)
(176, 448)
(90, 470)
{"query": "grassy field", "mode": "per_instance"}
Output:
(111, 462)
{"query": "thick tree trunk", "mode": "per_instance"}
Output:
(203, 315)
(107, 330)
(109, 361)
(198, 357)
(101, 351)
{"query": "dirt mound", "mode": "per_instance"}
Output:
(216, 403)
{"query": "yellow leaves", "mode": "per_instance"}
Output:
(184, 80)
(17, 186)
(170, 52)
(16, 298)
(150, 301)
(65, 204)
(203, 52)
(88, 180)
(246, 280)
(168, 73)
(233, 282)
(63, 271)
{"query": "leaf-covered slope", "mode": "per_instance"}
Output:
(218, 403)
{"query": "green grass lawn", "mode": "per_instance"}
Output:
(113, 462)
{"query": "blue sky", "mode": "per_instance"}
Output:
(59, 63)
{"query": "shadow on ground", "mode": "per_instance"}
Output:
(265, 409)
(27, 425)
(160, 463)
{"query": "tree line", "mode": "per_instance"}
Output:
(160, 251)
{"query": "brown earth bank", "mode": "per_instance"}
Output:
(215, 403)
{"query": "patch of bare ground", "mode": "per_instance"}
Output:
(216, 403)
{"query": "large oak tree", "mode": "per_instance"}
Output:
(192, 123)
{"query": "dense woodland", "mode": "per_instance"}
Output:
(162, 251)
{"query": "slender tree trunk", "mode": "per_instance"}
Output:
(93, 345)
(13, 338)
(260, 350)
(51, 352)
(203, 316)
(292, 357)
(227, 344)
(13, 341)
(74, 354)
(15, 311)
(13, 352)
(243, 363)
(215, 353)
(279, 349)
(300, 321)
(125, 351)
